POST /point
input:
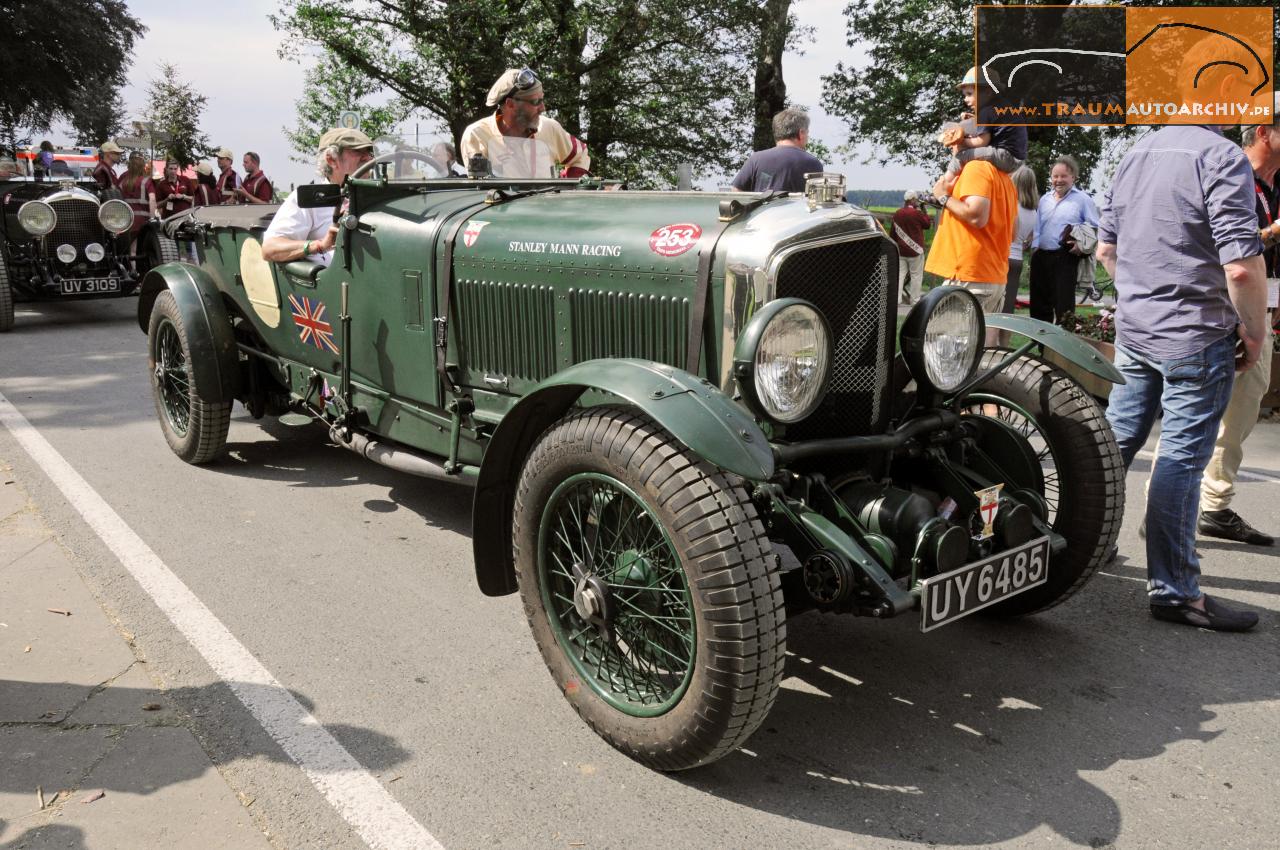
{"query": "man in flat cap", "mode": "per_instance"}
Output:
(519, 105)
(228, 180)
(309, 234)
(105, 171)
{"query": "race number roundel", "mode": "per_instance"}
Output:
(672, 240)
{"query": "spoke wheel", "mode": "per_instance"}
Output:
(650, 588)
(616, 595)
(195, 427)
(1083, 475)
(6, 296)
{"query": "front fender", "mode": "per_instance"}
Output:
(1067, 344)
(214, 358)
(693, 410)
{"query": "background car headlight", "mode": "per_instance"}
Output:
(783, 359)
(66, 253)
(942, 338)
(116, 216)
(37, 218)
(94, 252)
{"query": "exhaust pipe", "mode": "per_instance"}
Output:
(400, 459)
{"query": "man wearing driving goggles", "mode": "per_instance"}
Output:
(518, 104)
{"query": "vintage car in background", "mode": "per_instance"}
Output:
(65, 239)
(686, 417)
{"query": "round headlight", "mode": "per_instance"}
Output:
(116, 216)
(66, 253)
(37, 218)
(94, 252)
(942, 338)
(783, 360)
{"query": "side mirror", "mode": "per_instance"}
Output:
(314, 195)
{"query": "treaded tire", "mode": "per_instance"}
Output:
(1090, 474)
(6, 297)
(200, 435)
(726, 564)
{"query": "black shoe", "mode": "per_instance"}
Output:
(1215, 616)
(1229, 525)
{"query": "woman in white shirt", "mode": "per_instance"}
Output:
(1024, 180)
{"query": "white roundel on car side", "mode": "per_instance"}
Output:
(259, 283)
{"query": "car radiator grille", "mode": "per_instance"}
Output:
(77, 225)
(850, 283)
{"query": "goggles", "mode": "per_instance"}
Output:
(525, 81)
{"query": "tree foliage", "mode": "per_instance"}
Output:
(330, 88)
(173, 109)
(97, 114)
(647, 84)
(53, 55)
(900, 96)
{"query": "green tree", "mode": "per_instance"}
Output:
(51, 54)
(173, 110)
(97, 114)
(648, 85)
(900, 96)
(331, 87)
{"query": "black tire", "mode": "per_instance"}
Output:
(1079, 451)
(710, 543)
(196, 429)
(6, 297)
(157, 249)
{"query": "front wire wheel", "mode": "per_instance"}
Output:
(1083, 474)
(194, 427)
(649, 587)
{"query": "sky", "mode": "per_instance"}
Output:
(230, 56)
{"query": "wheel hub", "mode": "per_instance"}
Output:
(592, 601)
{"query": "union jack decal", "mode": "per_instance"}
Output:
(308, 315)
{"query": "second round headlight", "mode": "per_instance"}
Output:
(784, 360)
(942, 338)
(115, 215)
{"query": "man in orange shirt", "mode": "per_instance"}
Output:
(971, 248)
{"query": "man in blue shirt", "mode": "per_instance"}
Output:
(784, 165)
(1053, 266)
(1179, 236)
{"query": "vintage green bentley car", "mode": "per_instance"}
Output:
(686, 417)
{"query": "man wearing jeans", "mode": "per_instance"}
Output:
(1179, 236)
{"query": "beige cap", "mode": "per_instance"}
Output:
(344, 137)
(506, 86)
(204, 168)
(225, 153)
(109, 147)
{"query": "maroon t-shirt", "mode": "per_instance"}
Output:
(259, 186)
(206, 195)
(106, 176)
(909, 225)
(180, 186)
(227, 182)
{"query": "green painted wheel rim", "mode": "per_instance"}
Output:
(1025, 424)
(172, 380)
(644, 666)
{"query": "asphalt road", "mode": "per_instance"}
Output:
(1090, 725)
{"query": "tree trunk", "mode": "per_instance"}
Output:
(770, 88)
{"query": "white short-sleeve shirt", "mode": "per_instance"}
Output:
(293, 222)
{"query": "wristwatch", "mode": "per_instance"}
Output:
(942, 202)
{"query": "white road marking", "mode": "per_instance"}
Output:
(360, 799)
(1242, 474)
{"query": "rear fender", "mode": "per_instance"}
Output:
(693, 410)
(214, 358)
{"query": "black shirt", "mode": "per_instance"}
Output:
(1012, 139)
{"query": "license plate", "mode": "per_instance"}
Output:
(948, 597)
(90, 286)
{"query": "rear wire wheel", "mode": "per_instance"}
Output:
(649, 587)
(1083, 473)
(195, 428)
(6, 296)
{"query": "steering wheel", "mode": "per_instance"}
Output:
(398, 158)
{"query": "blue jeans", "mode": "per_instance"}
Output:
(1193, 391)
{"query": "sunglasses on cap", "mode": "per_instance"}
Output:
(525, 81)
